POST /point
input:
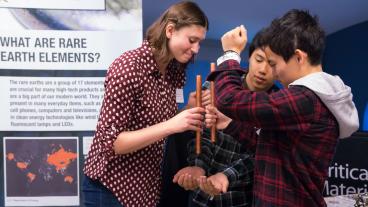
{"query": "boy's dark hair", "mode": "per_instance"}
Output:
(297, 29)
(259, 41)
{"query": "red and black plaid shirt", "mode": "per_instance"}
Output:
(295, 146)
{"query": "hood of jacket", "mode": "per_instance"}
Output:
(336, 96)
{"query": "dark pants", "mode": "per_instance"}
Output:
(191, 203)
(175, 159)
(97, 195)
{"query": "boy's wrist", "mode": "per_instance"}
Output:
(230, 174)
(229, 55)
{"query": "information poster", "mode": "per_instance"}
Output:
(47, 4)
(54, 56)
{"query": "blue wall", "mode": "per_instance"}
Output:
(199, 67)
(346, 55)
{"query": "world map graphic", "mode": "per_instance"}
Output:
(41, 167)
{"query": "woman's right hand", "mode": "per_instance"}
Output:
(189, 119)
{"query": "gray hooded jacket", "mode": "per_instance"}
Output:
(336, 96)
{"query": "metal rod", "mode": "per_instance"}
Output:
(212, 90)
(198, 104)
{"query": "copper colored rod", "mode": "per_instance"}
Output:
(212, 88)
(198, 104)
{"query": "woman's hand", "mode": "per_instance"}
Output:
(189, 119)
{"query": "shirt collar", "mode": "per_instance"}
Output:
(148, 55)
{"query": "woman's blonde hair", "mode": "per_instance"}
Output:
(182, 14)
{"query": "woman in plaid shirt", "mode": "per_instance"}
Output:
(301, 124)
(225, 168)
